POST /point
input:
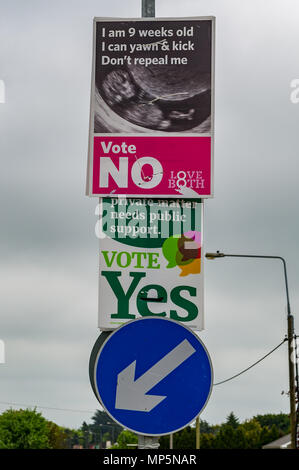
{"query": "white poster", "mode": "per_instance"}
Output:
(150, 261)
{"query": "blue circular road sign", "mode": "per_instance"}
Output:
(152, 375)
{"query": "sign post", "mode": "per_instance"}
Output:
(148, 8)
(150, 161)
(144, 442)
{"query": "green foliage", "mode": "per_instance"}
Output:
(103, 425)
(100, 417)
(205, 427)
(106, 437)
(186, 439)
(207, 441)
(27, 429)
(164, 442)
(57, 436)
(229, 438)
(86, 434)
(270, 434)
(232, 420)
(125, 438)
(251, 434)
(73, 437)
(281, 421)
(24, 429)
(248, 435)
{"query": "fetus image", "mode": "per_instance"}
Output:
(118, 87)
(125, 97)
(153, 102)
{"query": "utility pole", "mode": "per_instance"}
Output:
(290, 334)
(292, 381)
(197, 433)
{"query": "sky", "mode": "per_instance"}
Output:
(48, 288)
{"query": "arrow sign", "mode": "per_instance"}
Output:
(152, 375)
(131, 393)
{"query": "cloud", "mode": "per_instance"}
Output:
(48, 247)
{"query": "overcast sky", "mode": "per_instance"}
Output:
(48, 315)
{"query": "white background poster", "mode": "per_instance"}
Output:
(150, 261)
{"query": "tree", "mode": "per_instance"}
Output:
(164, 442)
(57, 436)
(247, 435)
(232, 420)
(251, 432)
(207, 441)
(87, 435)
(270, 434)
(281, 421)
(73, 437)
(205, 427)
(125, 438)
(102, 424)
(229, 438)
(23, 429)
(100, 417)
(185, 439)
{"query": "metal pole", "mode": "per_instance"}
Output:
(170, 441)
(148, 8)
(297, 391)
(148, 442)
(292, 381)
(197, 433)
(291, 335)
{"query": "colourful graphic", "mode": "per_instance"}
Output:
(191, 268)
(184, 251)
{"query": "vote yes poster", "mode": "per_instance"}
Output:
(150, 260)
(152, 108)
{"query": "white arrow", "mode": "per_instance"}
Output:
(131, 393)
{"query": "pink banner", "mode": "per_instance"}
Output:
(152, 166)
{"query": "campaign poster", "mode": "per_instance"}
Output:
(150, 260)
(152, 108)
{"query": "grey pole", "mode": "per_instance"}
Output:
(148, 8)
(148, 442)
(291, 335)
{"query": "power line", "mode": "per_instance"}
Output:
(46, 407)
(92, 411)
(250, 367)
